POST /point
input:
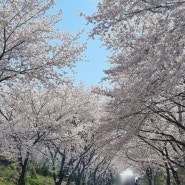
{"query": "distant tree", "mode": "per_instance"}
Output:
(31, 118)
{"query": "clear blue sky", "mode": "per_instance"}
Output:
(89, 72)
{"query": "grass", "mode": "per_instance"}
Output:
(142, 182)
(8, 172)
(39, 180)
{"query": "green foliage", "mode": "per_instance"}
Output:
(7, 174)
(33, 181)
(142, 182)
(43, 170)
(4, 182)
(39, 180)
(160, 179)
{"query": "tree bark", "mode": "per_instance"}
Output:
(78, 181)
(149, 175)
(180, 112)
(61, 173)
(22, 173)
(168, 179)
(175, 175)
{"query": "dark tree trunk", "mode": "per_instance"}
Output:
(58, 183)
(175, 175)
(22, 173)
(73, 171)
(78, 181)
(149, 175)
(61, 173)
(168, 179)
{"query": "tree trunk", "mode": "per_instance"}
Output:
(154, 178)
(168, 180)
(61, 174)
(149, 175)
(175, 175)
(180, 112)
(78, 181)
(58, 183)
(22, 173)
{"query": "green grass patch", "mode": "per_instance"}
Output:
(143, 182)
(39, 180)
(8, 172)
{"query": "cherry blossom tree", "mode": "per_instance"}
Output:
(31, 47)
(147, 69)
(32, 118)
(67, 154)
(140, 73)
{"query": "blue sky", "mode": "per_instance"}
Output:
(89, 72)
